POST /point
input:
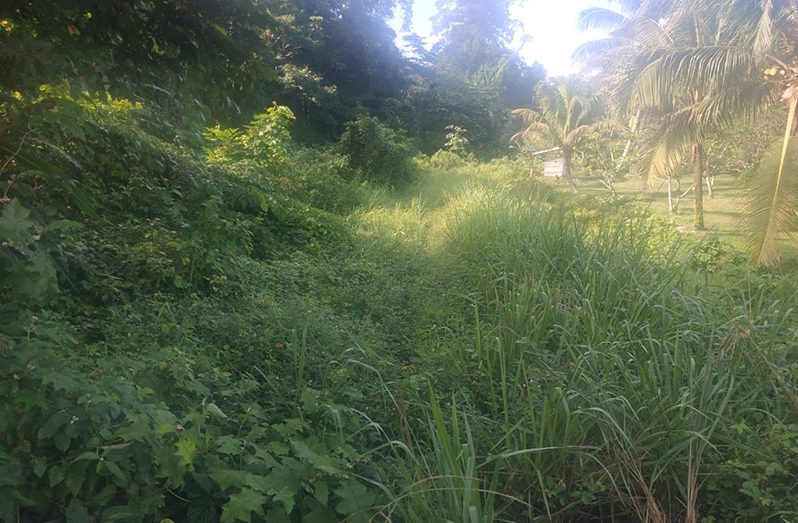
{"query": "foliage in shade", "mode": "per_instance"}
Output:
(378, 152)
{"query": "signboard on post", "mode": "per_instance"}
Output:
(554, 168)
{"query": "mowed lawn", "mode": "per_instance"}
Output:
(722, 212)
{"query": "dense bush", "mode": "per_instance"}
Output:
(324, 179)
(122, 404)
(379, 153)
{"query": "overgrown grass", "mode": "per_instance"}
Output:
(602, 375)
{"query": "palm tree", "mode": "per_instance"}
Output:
(562, 118)
(699, 67)
(702, 78)
(719, 72)
(773, 204)
(633, 27)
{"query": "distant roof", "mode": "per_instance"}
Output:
(546, 151)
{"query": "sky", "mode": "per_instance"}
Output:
(549, 24)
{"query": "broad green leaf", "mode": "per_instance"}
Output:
(165, 428)
(114, 469)
(62, 441)
(214, 410)
(39, 280)
(354, 497)
(169, 466)
(241, 506)
(76, 475)
(137, 429)
(309, 401)
(55, 475)
(321, 514)
(53, 423)
(321, 491)
(90, 455)
(186, 450)
(39, 468)
(227, 478)
(284, 483)
(279, 448)
(31, 398)
(323, 462)
(259, 483)
(76, 512)
(15, 224)
(286, 496)
(228, 445)
(278, 515)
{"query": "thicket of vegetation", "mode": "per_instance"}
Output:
(257, 264)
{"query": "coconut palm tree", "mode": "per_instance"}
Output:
(773, 203)
(563, 117)
(727, 60)
(703, 78)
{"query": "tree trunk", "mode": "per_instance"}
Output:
(670, 196)
(698, 186)
(710, 182)
(566, 170)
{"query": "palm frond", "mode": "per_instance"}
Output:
(526, 115)
(764, 32)
(664, 150)
(535, 128)
(560, 108)
(605, 125)
(725, 108)
(537, 132)
(773, 198)
(595, 48)
(599, 18)
(705, 69)
(648, 33)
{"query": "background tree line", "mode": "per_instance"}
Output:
(322, 58)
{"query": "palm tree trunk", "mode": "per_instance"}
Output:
(566, 170)
(670, 196)
(698, 186)
(710, 183)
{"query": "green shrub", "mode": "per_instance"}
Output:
(164, 434)
(225, 341)
(323, 179)
(378, 152)
(265, 139)
(755, 477)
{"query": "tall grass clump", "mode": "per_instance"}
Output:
(605, 378)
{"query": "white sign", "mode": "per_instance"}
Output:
(553, 168)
